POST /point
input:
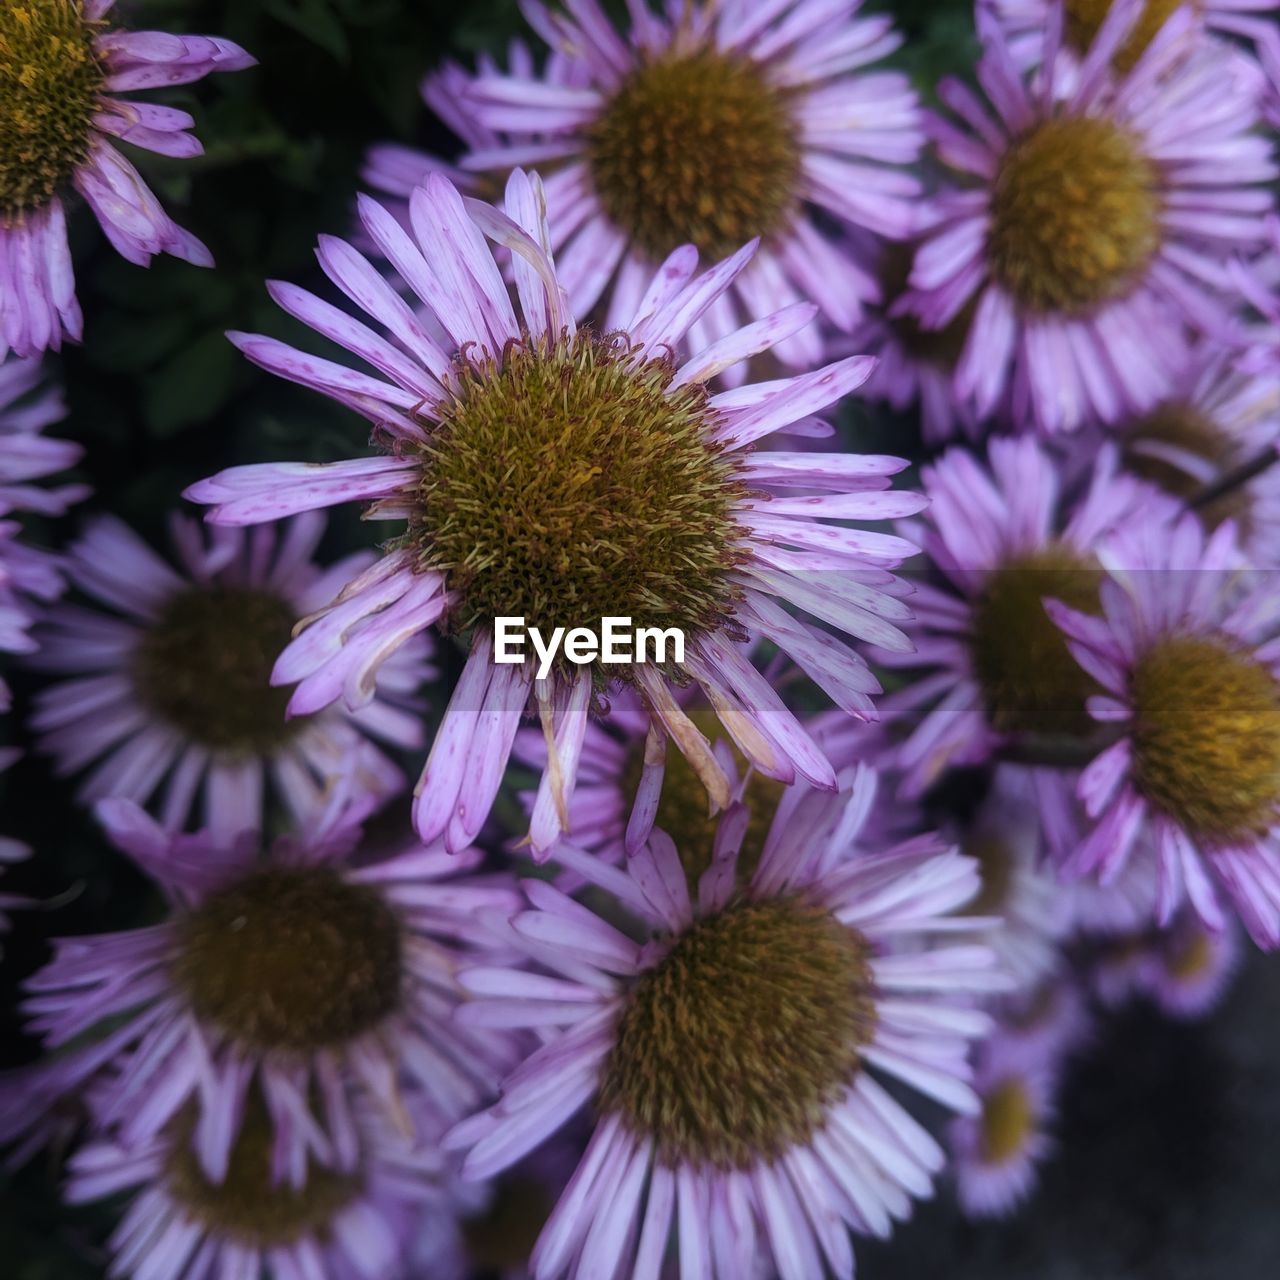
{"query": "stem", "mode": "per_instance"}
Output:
(1234, 479)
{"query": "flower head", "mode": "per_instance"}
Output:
(996, 1151)
(319, 982)
(1095, 232)
(1184, 656)
(565, 475)
(169, 682)
(62, 73)
(1005, 536)
(728, 1044)
(712, 125)
(255, 1219)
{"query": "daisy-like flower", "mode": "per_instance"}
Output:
(324, 981)
(1005, 537)
(1027, 21)
(564, 476)
(712, 124)
(1187, 663)
(1223, 414)
(1185, 970)
(63, 70)
(27, 406)
(257, 1222)
(996, 1152)
(1096, 229)
(169, 687)
(729, 1054)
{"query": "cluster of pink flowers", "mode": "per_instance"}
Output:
(651, 937)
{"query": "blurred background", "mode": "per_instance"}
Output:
(1169, 1160)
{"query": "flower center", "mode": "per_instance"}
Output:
(49, 83)
(1029, 680)
(1075, 215)
(248, 1206)
(730, 1049)
(1189, 956)
(292, 958)
(683, 809)
(1008, 1118)
(1184, 427)
(568, 484)
(996, 867)
(1206, 737)
(1085, 17)
(695, 148)
(204, 667)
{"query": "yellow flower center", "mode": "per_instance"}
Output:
(569, 484)
(1085, 17)
(1008, 1120)
(50, 79)
(731, 1048)
(248, 1206)
(1206, 737)
(695, 148)
(292, 958)
(683, 810)
(204, 667)
(1075, 215)
(1029, 680)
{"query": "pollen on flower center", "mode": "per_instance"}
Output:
(1085, 18)
(204, 667)
(1206, 737)
(50, 78)
(292, 958)
(1184, 427)
(683, 811)
(249, 1206)
(566, 484)
(1029, 680)
(1075, 215)
(695, 148)
(731, 1047)
(1008, 1118)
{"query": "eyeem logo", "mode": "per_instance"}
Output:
(615, 644)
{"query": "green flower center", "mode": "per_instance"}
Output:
(204, 667)
(1085, 17)
(50, 79)
(1185, 427)
(1008, 1119)
(1029, 680)
(569, 485)
(683, 809)
(1206, 737)
(731, 1048)
(1188, 954)
(695, 148)
(247, 1206)
(292, 958)
(1075, 215)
